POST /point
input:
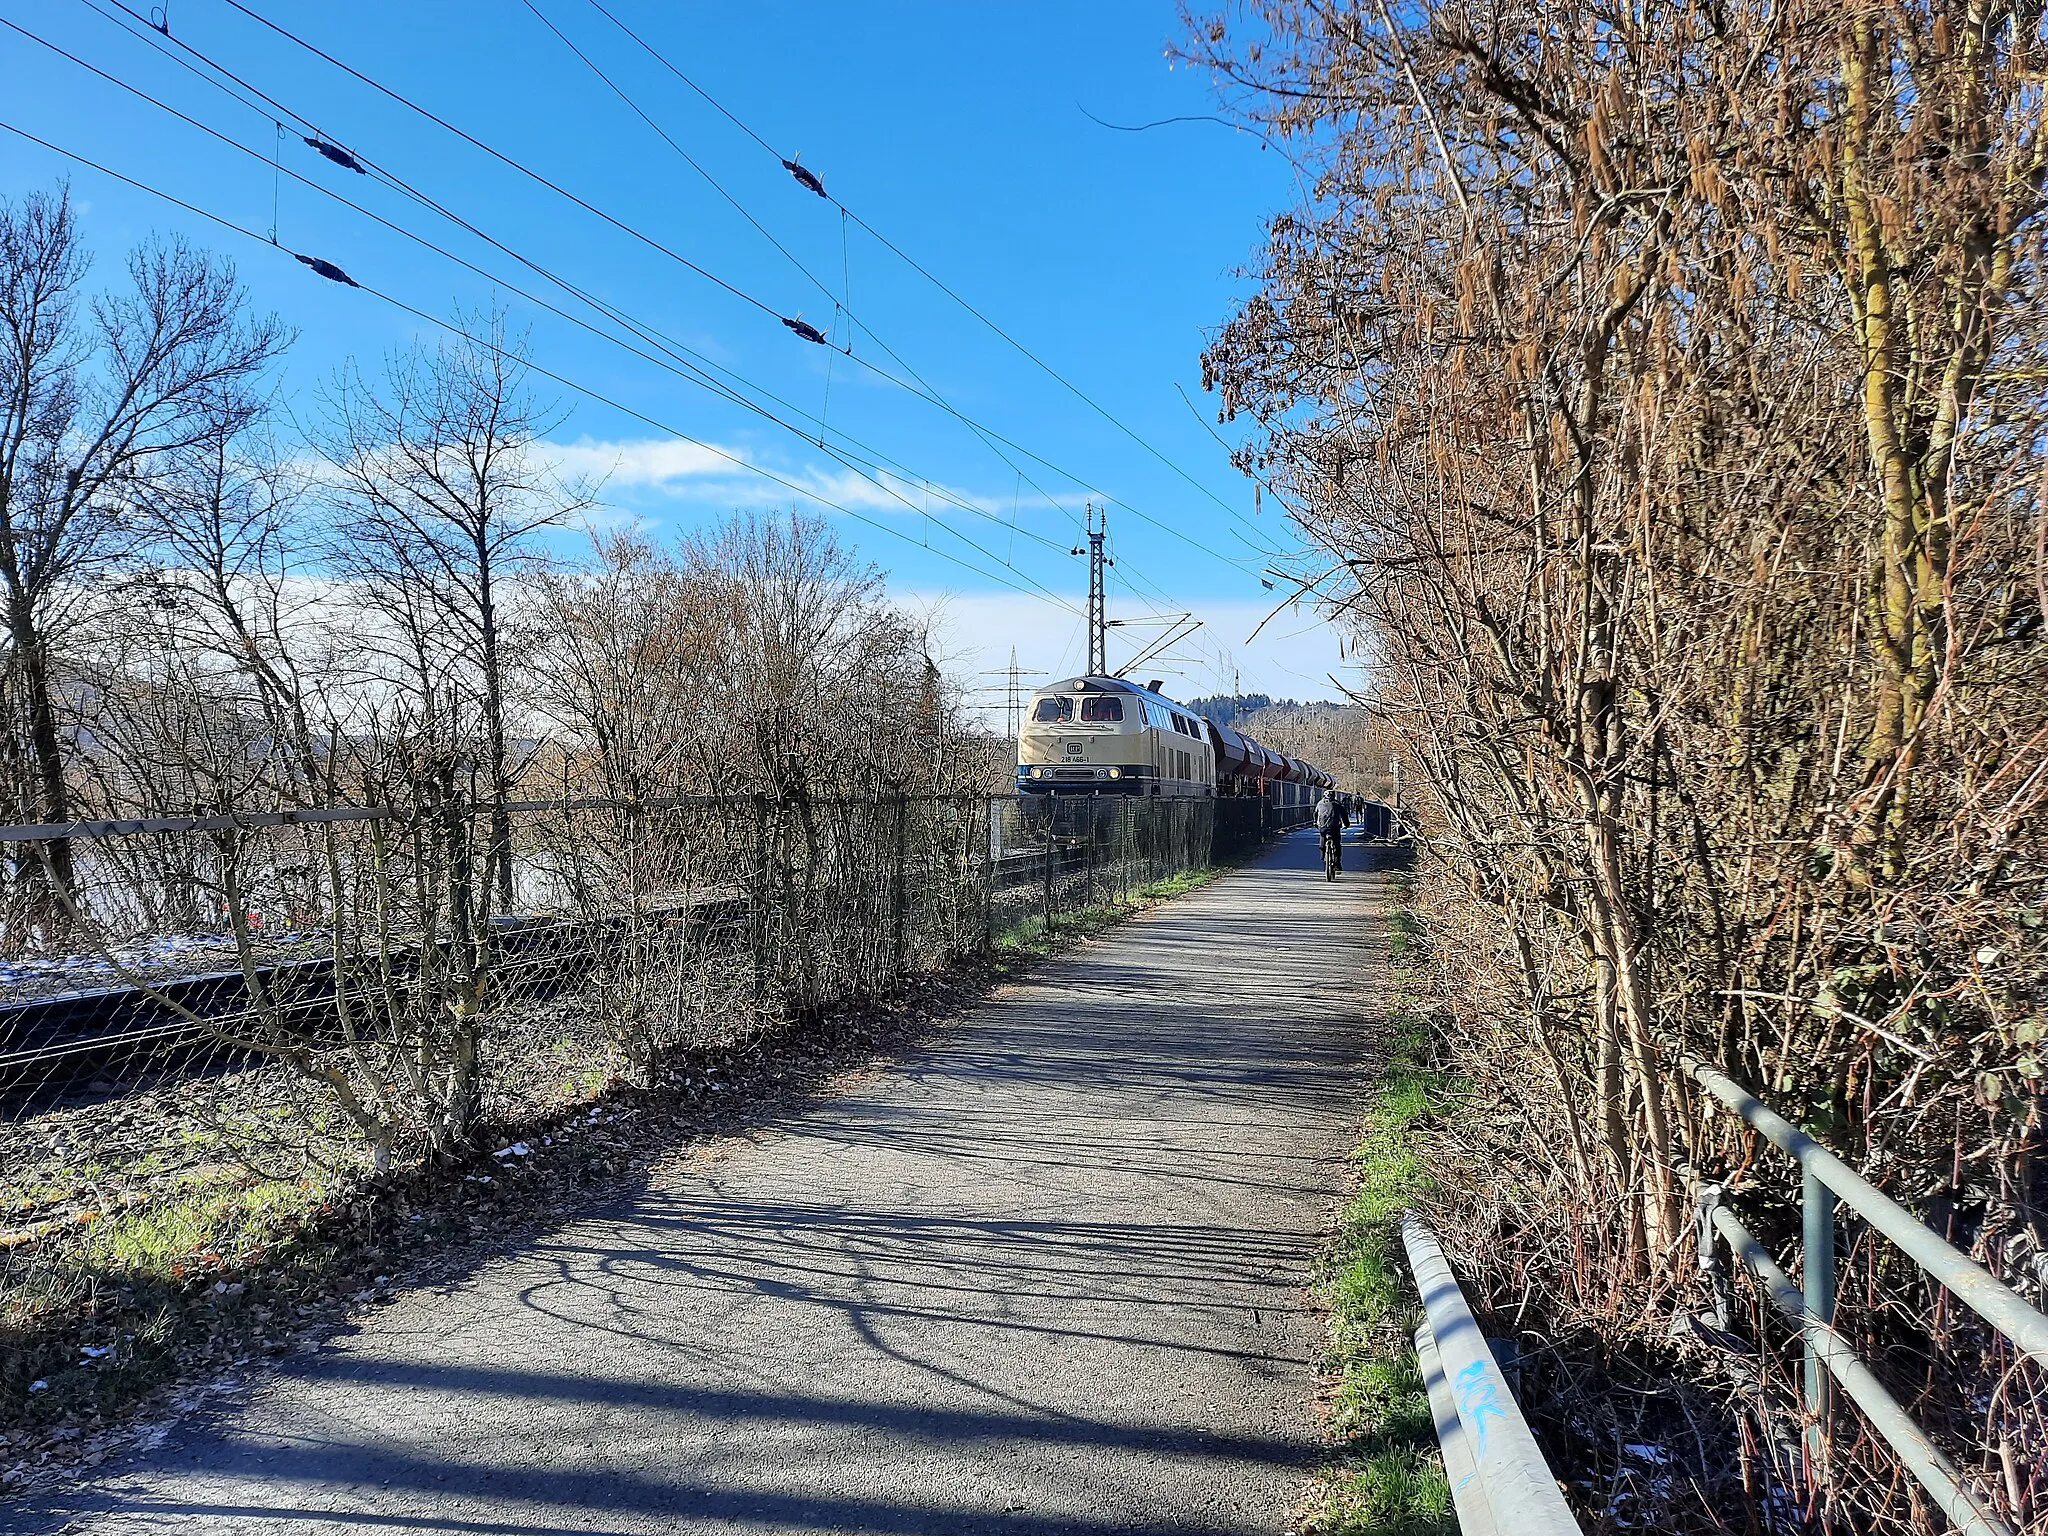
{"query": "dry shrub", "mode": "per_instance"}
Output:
(1667, 397)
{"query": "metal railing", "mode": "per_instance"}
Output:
(1827, 1183)
(1499, 1479)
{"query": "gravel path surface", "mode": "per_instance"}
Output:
(1046, 1275)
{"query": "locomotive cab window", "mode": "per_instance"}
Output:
(1100, 708)
(1050, 711)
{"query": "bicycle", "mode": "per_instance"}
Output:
(1333, 855)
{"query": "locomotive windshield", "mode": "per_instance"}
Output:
(1100, 707)
(1051, 710)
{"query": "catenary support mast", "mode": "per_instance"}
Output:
(1098, 612)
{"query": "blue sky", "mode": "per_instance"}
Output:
(959, 132)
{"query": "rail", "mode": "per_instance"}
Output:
(1499, 1479)
(1826, 1183)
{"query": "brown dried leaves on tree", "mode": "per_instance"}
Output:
(1671, 390)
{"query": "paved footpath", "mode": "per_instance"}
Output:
(1044, 1275)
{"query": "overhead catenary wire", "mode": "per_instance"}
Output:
(924, 388)
(919, 390)
(693, 372)
(507, 160)
(348, 160)
(563, 380)
(318, 139)
(1149, 591)
(924, 272)
(687, 158)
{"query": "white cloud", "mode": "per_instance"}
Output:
(659, 463)
(680, 469)
(883, 492)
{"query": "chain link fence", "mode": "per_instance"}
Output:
(241, 1015)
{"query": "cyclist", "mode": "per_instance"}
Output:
(1331, 820)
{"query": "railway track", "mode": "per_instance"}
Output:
(52, 1045)
(55, 1042)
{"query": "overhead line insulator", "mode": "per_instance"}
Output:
(327, 269)
(806, 175)
(337, 154)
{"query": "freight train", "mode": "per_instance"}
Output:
(1108, 736)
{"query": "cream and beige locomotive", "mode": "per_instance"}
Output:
(1108, 736)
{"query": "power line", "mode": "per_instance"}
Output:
(546, 373)
(619, 224)
(925, 389)
(929, 276)
(695, 373)
(687, 158)
(924, 393)
(921, 390)
(1168, 528)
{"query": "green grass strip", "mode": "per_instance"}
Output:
(1028, 935)
(1387, 1478)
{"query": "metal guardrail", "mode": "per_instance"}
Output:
(1468, 1499)
(1825, 1347)
(1499, 1479)
(1827, 1182)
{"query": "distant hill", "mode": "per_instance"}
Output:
(1229, 708)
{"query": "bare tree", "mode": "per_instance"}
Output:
(90, 404)
(814, 676)
(628, 637)
(441, 489)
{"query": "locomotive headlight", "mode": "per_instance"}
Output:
(1116, 773)
(1038, 773)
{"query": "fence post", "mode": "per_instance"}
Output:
(896, 891)
(988, 875)
(757, 904)
(966, 889)
(1088, 850)
(1048, 873)
(1817, 1266)
(1123, 849)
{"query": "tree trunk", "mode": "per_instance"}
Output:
(47, 749)
(494, 727)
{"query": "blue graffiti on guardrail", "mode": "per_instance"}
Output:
(1477, 1397)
